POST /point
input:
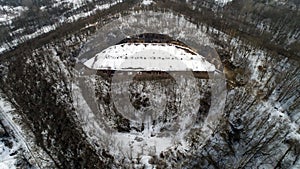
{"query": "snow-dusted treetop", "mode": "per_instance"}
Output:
(149, 57)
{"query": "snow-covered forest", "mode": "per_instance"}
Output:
(56, 114)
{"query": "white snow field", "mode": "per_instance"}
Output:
(147, 2)
(149, 57)
(222, 2)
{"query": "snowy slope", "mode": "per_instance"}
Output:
(222, 2)
(7, 160)
(17, 146)
(10, 13)
(147, 2)
(148, 57)
(7, 13)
